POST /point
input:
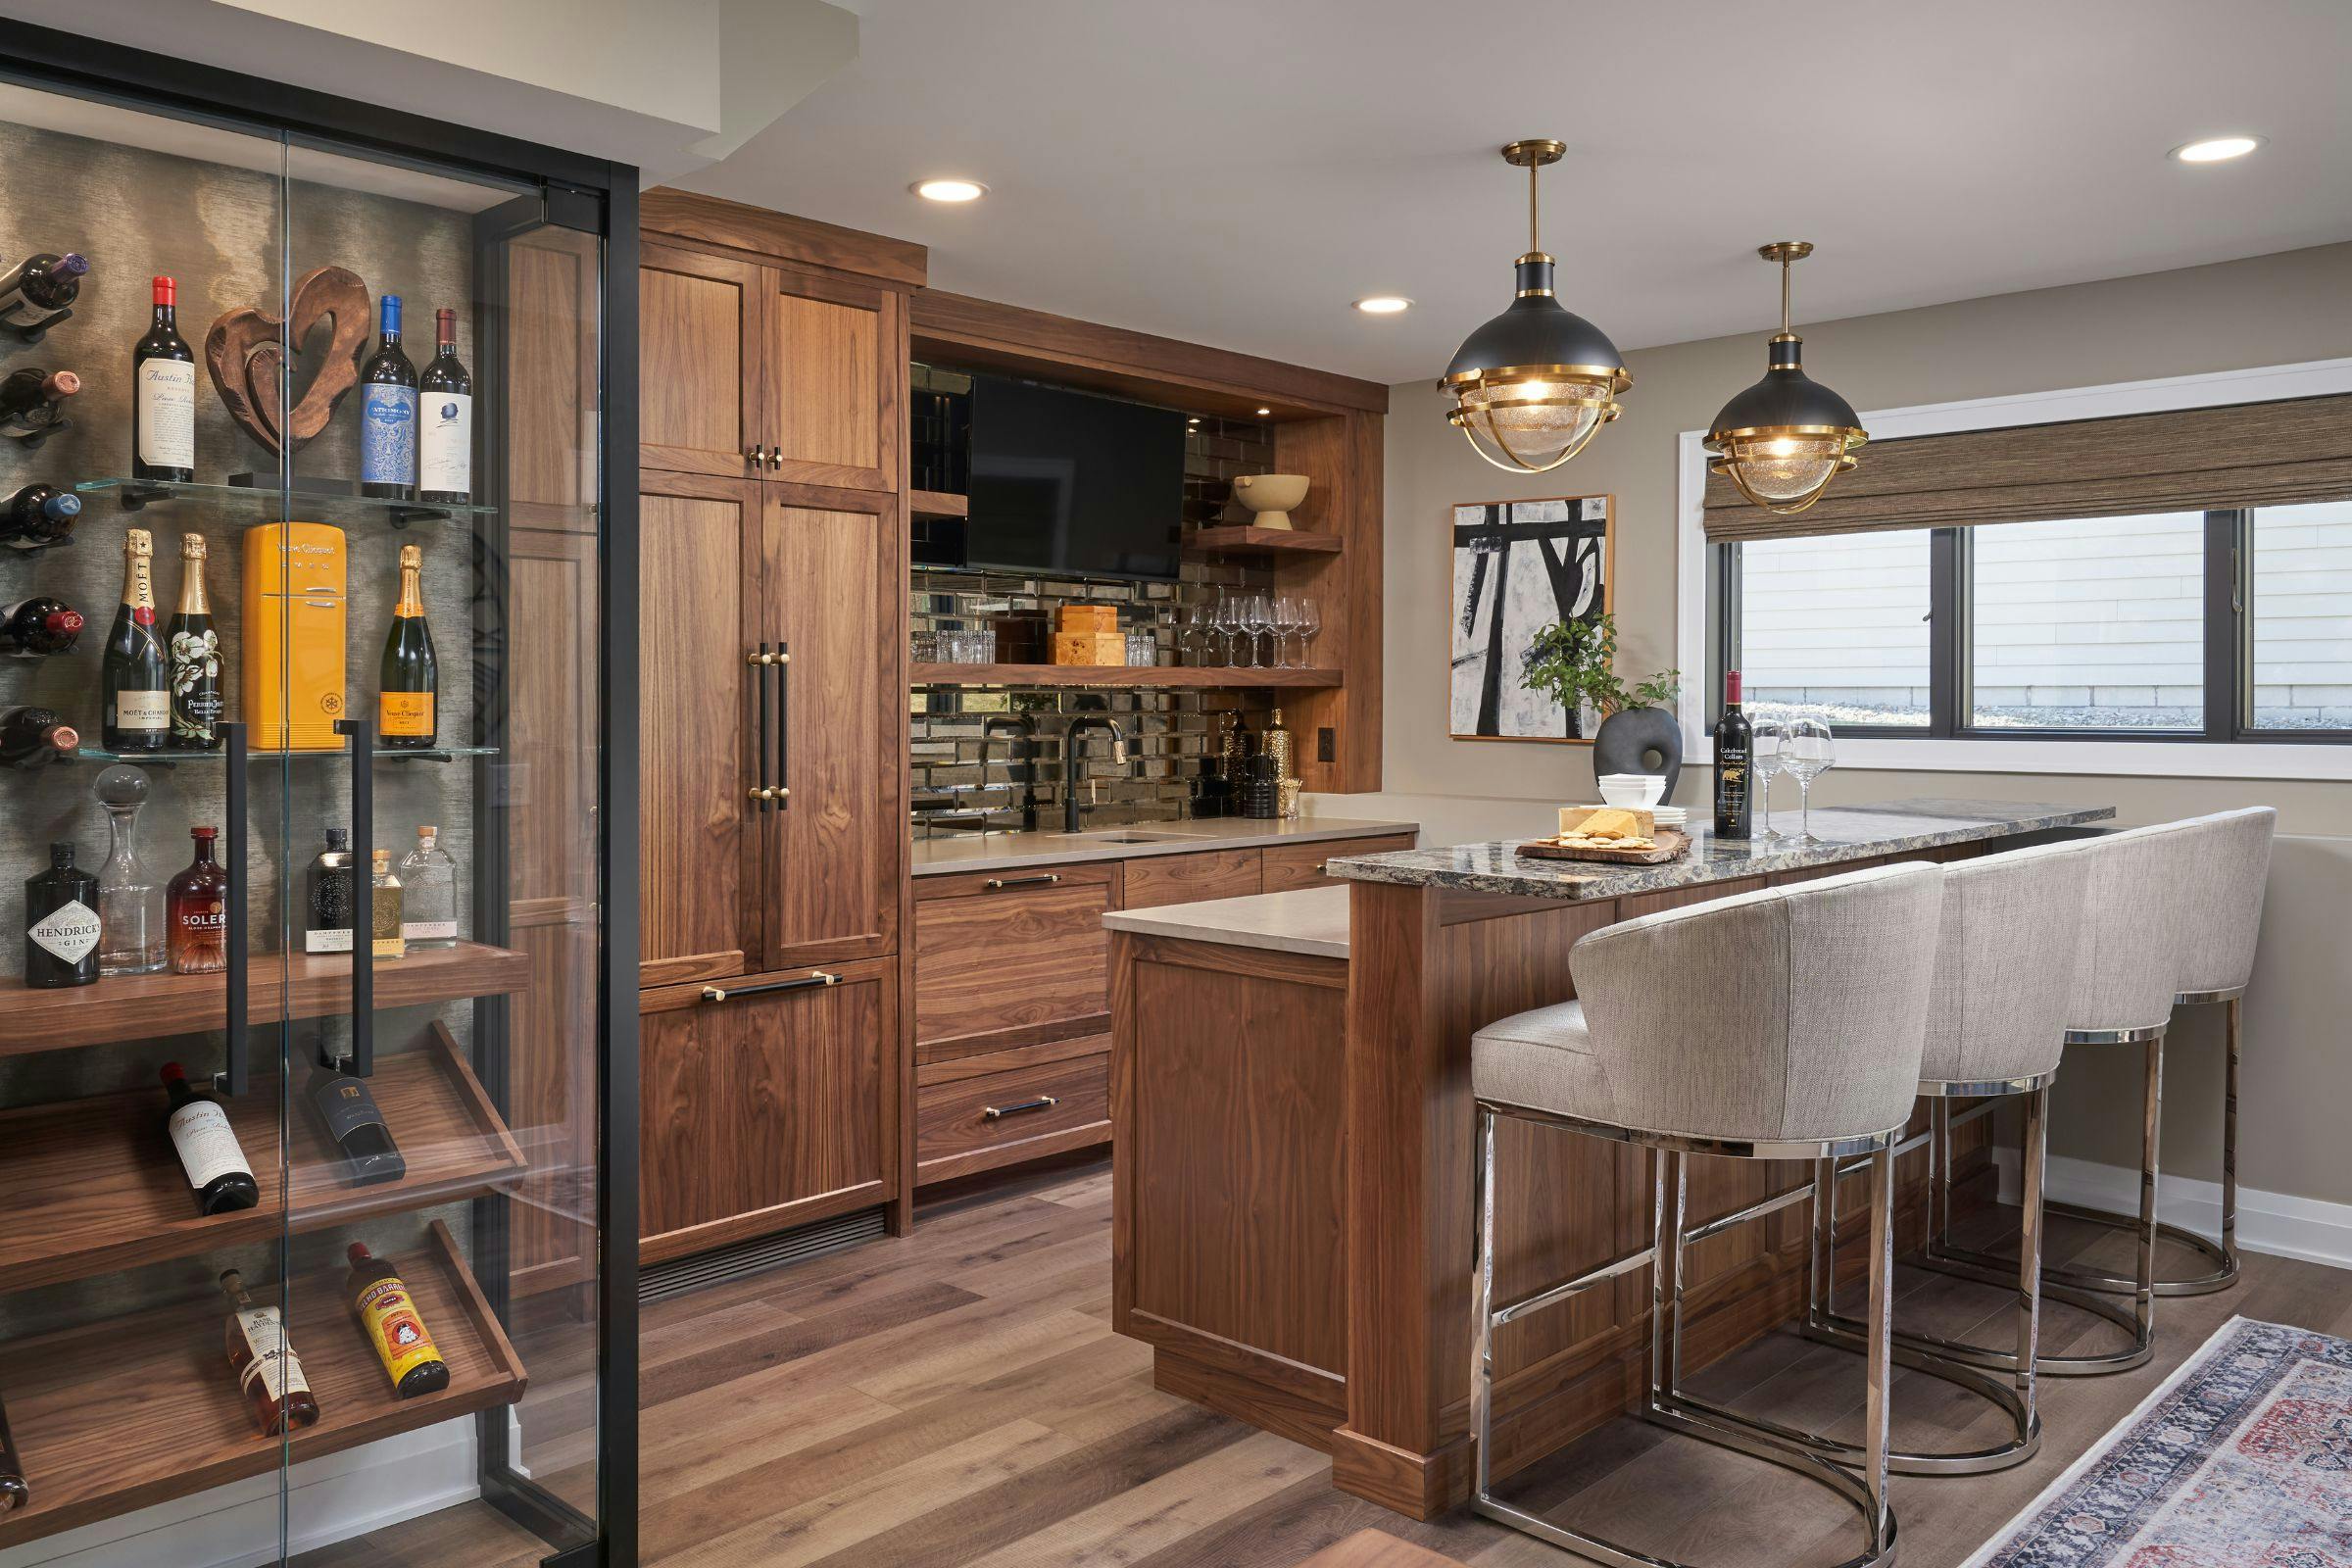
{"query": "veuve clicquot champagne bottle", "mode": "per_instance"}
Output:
(388, 415)
(136, 677)
(409, 679)
(194, 648)
(163, 396)
(1735, 745)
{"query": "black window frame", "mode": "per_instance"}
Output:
(2228, 647)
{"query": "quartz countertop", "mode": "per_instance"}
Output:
(1309, 920)
(997, 852)
(1845, 832)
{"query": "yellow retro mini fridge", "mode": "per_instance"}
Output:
(296, 609)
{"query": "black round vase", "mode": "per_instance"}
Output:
(1640, 740)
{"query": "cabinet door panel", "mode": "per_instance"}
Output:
(1010, 965)
(1156, 879)
(833, 371)
(765, 1111)
(698, 739)
(835, 577)
(699, 351)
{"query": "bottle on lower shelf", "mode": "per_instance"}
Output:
(355, 1124)
(387, 1315)
(61, 924)
(15, 1490)
(219, 1176)
(269, 1372)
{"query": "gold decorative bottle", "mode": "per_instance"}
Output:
(1280, 746)
(384, 910)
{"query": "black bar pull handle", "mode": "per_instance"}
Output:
(238, 1075)
(761, 663)
(783, 668)
(813, 978)
(363, 888)
(997, 884)
(999, 1112)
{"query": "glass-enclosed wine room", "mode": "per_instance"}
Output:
(306, 788)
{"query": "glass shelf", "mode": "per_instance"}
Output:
(312, 505)
(435, 754)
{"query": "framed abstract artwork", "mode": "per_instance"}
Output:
(1519, 566)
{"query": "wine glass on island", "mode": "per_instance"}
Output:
(1807, 751)
(1768, 749)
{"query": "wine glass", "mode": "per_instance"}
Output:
(1257, 613)
(1286, 624)
(1808, 751)
(1310, 623)
(1231, 619)
(1768, 750)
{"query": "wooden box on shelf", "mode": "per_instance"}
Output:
(1101, 649)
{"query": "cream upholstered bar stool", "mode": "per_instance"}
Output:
(1778, 1025)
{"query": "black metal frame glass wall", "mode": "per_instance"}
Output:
(515, 1223)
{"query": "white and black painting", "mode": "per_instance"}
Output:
(1519, 566)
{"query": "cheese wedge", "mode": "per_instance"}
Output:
(1608, 821)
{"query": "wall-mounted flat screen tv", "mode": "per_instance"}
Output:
(1070, 484)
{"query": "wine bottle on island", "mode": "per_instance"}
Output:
(208, 1153)
(61, 924)
(32, 399)
(163, 396)
(40, 286)
(1735, 742)
(269, 1372)
(136, 677)
(39, 627)
(194, 648)
(31, 736)
(356, 1125)
(445, 422)
(409, 677)
(388, 415)
(39, 516)
(15, 1492)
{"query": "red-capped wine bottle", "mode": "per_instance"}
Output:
(163, 396)
(136, 677)
(219, 1176)
(40, 286)
(39, 627)
(30, 736)
(1734, 748)
(38, 515)
(445, 421)
(33, 399)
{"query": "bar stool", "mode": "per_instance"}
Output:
(1996, 1022)
(1778, 1025)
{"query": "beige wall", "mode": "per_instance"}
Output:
(2269, 310)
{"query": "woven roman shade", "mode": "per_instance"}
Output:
(2247, 454)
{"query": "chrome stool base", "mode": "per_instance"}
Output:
(1856, 1474)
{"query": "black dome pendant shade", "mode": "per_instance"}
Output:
(1783, 440)
(1531, 386)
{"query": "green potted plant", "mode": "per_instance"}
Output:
(1574, 663)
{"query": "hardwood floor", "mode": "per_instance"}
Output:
(955, 1399)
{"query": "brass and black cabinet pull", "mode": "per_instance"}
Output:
(999, 1112)
(997, 884)
(363, 894)
(237, 1074)
(783, 669)
(762, 663)
(812, 979)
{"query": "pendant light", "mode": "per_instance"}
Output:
(1531, 386)
(1781, 441)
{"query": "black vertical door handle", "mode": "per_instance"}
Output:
(362, 886)
(238, 1074)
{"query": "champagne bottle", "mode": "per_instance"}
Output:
(1735, 742)
(163, 396)
(219, 1176)
(61, 924)
(195, 652)
(388, 415)
(410, 678)
(445, 422)
(269, 1372)
(136, 677)
(387, 1315)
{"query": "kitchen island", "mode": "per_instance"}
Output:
(1291, 1093)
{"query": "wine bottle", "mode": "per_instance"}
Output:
(384, 908)
(33, 399)
(196, 910)
(388, 415)
(15, 1490)
(61, 924)
(39, 627)
(38, 515)
(136, 678)
(40, 286)
(410, 678)
(356, 1126)
(331, 895)
(163, 396)
(208, 1153)
(1734, 741)
(195, 652)
(387, 1315)
(428, 893)
(269, 1372)
(31, 736)
(445, 421)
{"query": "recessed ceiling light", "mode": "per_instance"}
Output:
(1264, 412)
(2217, 149)
(1383, 304)
(950, 190)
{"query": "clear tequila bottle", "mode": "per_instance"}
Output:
(131, 900)
(428, 880)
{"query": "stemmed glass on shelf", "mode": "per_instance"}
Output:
(1310, 621)
(1808, 751)
(1768, 751)
(1286, 625)
(1257, 613)
(1231, 621)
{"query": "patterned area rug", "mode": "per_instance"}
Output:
(2243, 1459)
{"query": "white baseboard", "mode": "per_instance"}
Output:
(2276, 1223)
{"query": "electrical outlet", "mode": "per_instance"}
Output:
(1327, 745)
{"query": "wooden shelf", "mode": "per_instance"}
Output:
(938, 504)
(314, 986)
(1242, 539)
(96, 1186)
(125, 1412)
(1158, 675)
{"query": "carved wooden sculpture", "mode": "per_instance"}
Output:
(246, 348)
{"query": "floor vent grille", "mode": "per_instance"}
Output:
(665, 1280)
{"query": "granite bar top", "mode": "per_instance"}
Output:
(1845, 832)
(1309, 920)
(997, 852)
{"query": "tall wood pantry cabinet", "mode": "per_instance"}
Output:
(772, 754)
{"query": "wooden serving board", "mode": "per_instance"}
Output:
(1671, 844)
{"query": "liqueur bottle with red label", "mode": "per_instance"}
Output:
(196, 910)
(269, 1372)
(387, 1315)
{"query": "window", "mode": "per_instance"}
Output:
(1837, 624)
(2302, 618)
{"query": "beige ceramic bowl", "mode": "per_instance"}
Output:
(1271, 496)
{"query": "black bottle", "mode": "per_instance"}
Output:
(1734, 746)
(220, 1177)
(37, 516)
(331, 895)
(61, 924)
(356, 1126)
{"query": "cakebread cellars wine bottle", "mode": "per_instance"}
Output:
(163, 396)
(1735, 742)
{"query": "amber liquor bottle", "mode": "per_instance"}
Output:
(268, 1370)
(196, 910)
(387, 1315)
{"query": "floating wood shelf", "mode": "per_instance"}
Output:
(938, 504)
(96, 1186)
(125, 1412)
(1243, 540)
(315, 985)
(1162, 675)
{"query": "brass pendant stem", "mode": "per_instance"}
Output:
(1785, 296)
(1534, 241)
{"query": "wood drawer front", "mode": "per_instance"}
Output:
(955, 1134)
(1012, 964)
(1156, 879)
(1300, 865)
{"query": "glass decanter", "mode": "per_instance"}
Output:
(131, 900)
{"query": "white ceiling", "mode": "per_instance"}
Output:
(1236, 172)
